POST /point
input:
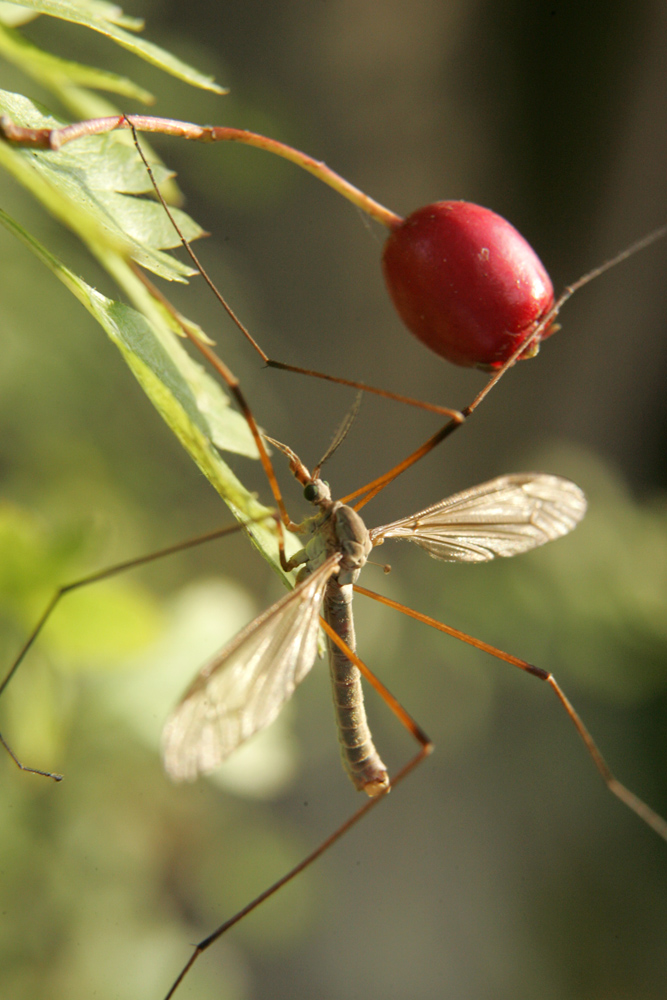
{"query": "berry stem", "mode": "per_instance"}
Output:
(55, 138)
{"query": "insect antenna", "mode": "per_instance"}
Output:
(340, 435)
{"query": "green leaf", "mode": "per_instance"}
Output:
(188, 399)
(109, 20)
(87, 187)
(92, 186)
(56, 74)
(14, 14)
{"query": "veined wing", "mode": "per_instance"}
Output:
(506, 516)
(244, 686)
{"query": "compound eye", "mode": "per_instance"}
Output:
(310, 492)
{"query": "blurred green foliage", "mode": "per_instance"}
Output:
(502, 869)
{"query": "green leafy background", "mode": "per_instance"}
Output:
(502, 869)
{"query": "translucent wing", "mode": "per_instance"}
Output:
(504, 517)
(244, 686)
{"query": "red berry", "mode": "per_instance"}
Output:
(466, 283)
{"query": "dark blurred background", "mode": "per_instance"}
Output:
(502, 869)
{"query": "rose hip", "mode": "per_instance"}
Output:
(466, 283)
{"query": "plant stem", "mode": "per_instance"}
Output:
(55, 138)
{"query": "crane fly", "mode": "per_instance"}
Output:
(242, 689)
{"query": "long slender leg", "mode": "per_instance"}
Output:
(645, 813)
(271, 362)
(203, 945)
(425, 748)
(24, 767)
(104, 574)
(456, 417)
(55, 138)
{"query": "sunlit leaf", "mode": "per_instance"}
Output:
(109, 20)
(177, 387)
(54, 72)
(86, 185)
